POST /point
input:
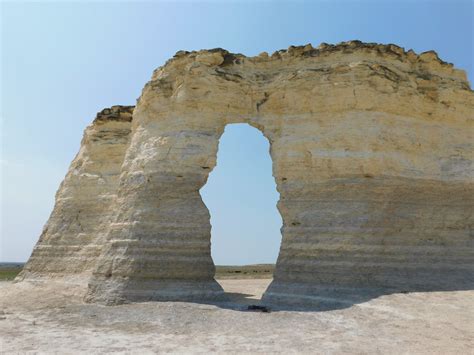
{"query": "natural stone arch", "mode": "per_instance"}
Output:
(371, 154)
(163, 197)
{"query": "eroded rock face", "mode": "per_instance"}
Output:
(372, 156)
(73, 238)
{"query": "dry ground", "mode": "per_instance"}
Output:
(36, 320)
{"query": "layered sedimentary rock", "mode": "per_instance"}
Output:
(73, 237)
(372, 156)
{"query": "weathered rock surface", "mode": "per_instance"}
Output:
(372, 155)
(73, 238)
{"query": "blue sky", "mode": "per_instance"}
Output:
(61, 62)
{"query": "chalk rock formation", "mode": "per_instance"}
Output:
(372, 156)
(73, 238)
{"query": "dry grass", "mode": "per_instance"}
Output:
(258, 271)
(8, 271)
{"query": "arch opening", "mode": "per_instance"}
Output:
(242, 197)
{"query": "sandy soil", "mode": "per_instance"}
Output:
(36, 320)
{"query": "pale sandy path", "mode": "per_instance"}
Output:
(42, 321)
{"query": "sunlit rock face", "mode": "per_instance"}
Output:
(372, 156)
(73, 238)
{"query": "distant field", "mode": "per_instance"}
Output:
(8, 271)
(258, 271)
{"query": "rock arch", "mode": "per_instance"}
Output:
(372, 155)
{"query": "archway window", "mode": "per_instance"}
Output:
(241, 196)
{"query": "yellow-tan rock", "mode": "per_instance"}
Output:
(73, 238)
(372, 151)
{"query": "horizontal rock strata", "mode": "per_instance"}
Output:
(73, 238)
(372, 156)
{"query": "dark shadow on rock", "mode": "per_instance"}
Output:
(311, 298)
(314, 298)
(234, 301)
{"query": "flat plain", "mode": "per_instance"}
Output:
(8, 271)
(54, 319)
